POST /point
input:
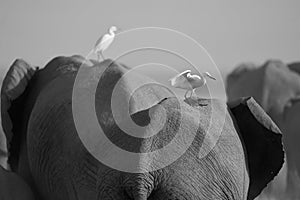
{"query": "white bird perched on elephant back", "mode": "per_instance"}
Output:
(104, 42)
(185, 80)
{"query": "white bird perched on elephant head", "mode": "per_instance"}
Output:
(104, 42)
(185, 80)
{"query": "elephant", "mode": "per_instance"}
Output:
(47, 151)
(13, 186)
(276, 87)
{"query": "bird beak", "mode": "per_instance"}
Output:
(213, 78)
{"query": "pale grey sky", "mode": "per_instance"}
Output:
(232, 31)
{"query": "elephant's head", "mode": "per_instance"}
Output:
(46, 150)
(274, 85)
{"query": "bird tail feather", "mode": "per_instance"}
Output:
(173, 81)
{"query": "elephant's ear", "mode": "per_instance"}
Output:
(262, 140)
(12, 105)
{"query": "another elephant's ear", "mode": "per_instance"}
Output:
(12, 105)
(262, 140)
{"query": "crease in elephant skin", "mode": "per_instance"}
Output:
(62, 168)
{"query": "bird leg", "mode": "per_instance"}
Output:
(102, 56)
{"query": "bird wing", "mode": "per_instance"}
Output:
(189, 75)
(101, 41)
(180, 78)
(98, 41)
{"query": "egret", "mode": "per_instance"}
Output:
(104, 41)
(185, 80)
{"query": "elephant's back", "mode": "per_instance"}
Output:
(185, 135)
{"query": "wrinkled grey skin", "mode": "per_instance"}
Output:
(45, 150)
(276, 87)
